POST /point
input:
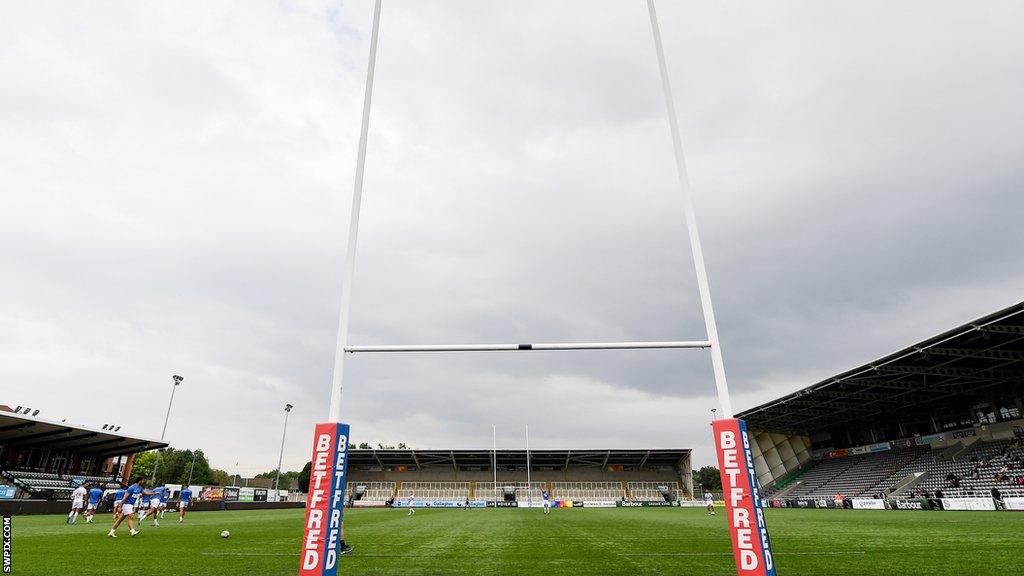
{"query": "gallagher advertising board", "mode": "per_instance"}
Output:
(325, 501)
(750, 544)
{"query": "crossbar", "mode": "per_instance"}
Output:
(521, 347)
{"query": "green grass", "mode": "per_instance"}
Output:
(524, 542)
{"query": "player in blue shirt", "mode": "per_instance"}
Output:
(547, 501)
(143, 507)
(151, 505)
(127, 505)
(115, 503)
(185, 499)
(95, 495)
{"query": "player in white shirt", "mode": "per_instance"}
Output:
(709, 499)
(411, 509)
(77, 503)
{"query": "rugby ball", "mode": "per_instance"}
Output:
(225, 534)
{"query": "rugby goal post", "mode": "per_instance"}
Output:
(323, 529)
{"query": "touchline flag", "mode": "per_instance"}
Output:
(750, 544)
(322, 535)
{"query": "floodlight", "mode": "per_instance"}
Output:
(116, 429)
(18, 409)
(288, 407)
(36, 412)
(177, 379)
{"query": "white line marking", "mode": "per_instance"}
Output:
(845, 553)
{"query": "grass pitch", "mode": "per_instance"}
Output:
(523, 542)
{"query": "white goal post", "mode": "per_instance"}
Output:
(343, 347)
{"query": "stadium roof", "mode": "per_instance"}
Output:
(24, 431)
(463, 459)
(980, 360)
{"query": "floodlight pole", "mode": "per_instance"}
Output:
(353, 227)
(691, 222)
(280, 458)
(193, 467)
(177, 380)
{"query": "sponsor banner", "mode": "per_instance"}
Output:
(968, 504)
(369, 504)
(645, 504)
(965, 433)
(259, 495)
(1014, 503)
(600, 504)
(777, 503)
(750, 543)
(932, 438)
(692, 503)
(246, 494)
(504, 504)
(325, 504)
(212, 493)
(911, 504)
(836, 454)
(231, 494)
(439, 503)
(868, 504)
(803, 503)
(7, 492)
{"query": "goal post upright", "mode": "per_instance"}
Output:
(751, 547)
(338, 373)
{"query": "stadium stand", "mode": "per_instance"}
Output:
(653, 491)
(975, 472)
(370, 491)
(587, 491)
(45, 459)
(455, 475)
(435, 490)
(941, 416)
(492, 492)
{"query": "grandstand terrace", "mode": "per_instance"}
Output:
(942, 415)
(46, 459)
(582, 475)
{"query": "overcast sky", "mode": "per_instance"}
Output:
(175, 183)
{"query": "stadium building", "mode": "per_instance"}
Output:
(43, 459)
(938, 419)
(451, 477)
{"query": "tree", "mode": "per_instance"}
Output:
(286, 477)
(220, 477)
(708, 477)
(173, 467)
(402, 446)
(365, 446)
(303, 477)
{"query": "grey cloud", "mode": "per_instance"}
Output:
(176, 187)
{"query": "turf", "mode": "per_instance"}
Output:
(502, 542)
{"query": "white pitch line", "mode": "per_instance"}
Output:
(844, 553)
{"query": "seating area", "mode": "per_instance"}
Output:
(822, 473)
(983, 466)
(652, 491)
(376, 491)
(975, 472)
(587, 491)
(435, 490)
(865, 478)
(490, 491)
